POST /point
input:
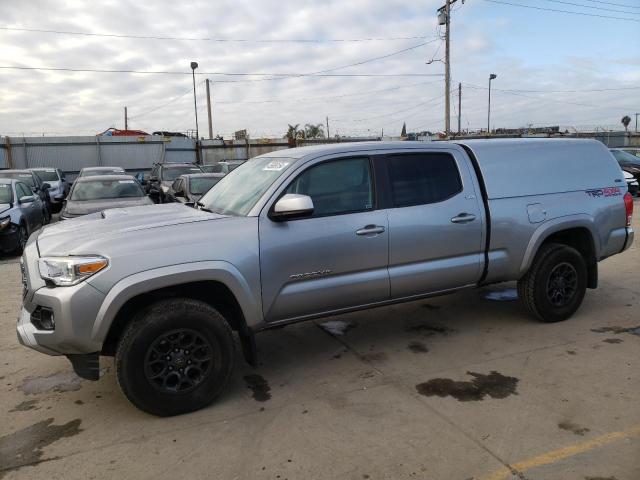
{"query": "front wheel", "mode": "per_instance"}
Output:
(555, 285)
(176, 356)
(21, 241)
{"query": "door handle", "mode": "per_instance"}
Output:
(463, 218)
(370, 230)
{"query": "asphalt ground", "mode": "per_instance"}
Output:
(456, 387)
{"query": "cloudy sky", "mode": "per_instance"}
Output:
(553, 68)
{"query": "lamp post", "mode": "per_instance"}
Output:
(493, 76)
(194, 65)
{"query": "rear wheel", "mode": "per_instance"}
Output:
(176, 356)
(555, 285)
(46, 215)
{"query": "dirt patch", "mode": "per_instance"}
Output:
(618, 330)
(612, 340)
(572, 352)
(573, 428)
(24, 447)
(494, 385)
(417, 347)
(25, 406)
(428, 330)
(259, 387)
(58, 382)
(374, 357)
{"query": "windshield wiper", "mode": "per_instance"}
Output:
(203, 208)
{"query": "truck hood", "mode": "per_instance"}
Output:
(78, 236)
(4, 207)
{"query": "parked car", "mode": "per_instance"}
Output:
(21, 213)
(189, 188)
(36, 185)
(96, 171)
(628, 162)
(164, 174)
(632, 184)
(222, 167)
(305, 233)
(95, 194)
(59, 188)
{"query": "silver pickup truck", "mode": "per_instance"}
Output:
(310, 232)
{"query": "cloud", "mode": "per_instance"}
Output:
(86, 103)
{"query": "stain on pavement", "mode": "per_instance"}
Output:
(24, 406)
(494, 385)
(573, 428)
(58, 382)
(618, 330)
(429, 330)
(24, 447)
(612, 340)
(417, 347)
(259, 387)
(374, 357)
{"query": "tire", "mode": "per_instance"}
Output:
(23, 236)
(171, 378)
(46, 216)
(555, 285)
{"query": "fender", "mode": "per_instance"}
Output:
(556, 225)
(149, 280)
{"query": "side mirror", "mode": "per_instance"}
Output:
(291, 206)
(46, 186)
(153, 178)
(178, 193)
(27, 199)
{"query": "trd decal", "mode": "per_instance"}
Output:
(604, 192)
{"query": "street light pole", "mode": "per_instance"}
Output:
(194, 65)
(493, 76)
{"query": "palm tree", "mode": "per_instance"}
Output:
(292, 132)
(404, 130)
(314, 131)
(626, 120)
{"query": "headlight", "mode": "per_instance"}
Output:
(4, 222)
(66, 271)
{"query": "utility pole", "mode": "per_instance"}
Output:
(637, 122)
(444, 18)
(493, 76)
(447, 72)
(329, 135)
(194, 65)
(209, 111)
(126, 119)
(459, 107)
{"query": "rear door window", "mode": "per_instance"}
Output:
(23, 191)
(422, 178)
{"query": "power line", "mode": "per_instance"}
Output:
(564, 11)
(209, 39)
(243, 74)
(613, 3)
(605, 9)
(324, 97)
(556, 91)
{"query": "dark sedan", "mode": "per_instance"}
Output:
(38, 187)
(94, 194)
(189, 188)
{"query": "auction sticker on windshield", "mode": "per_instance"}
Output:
(275, 166)
(126, 181)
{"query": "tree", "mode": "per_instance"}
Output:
(626, 120)
(404, 130)
(314, 131)
(292, 131)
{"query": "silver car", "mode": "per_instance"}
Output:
(58, 185)
(21, 213)
(95, 194)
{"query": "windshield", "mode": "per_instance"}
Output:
(23, 177)
(238, 192)
(47, 175)
(5, 193)
(169, 174)
(199, 186)
(100, 189)
(96, 173)
(625, 157)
